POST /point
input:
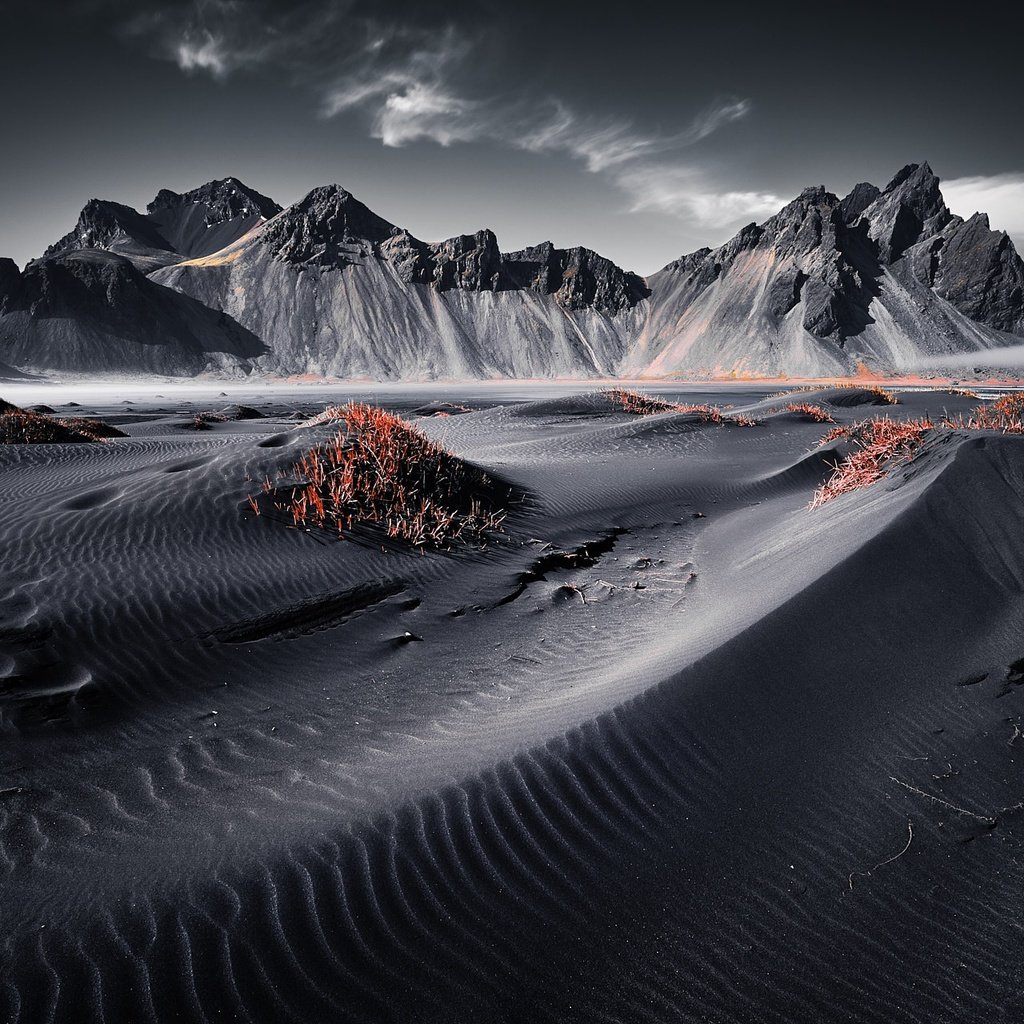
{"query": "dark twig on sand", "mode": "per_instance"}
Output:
(945, 803)
(882, 864)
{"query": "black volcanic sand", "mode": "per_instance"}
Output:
(674, 749)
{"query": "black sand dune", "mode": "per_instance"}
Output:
(674, 748)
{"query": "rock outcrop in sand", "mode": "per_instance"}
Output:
(881, 279)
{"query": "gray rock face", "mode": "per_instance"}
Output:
(10, 275)
(204, 220)
(176, 227)
(92, 309)
(910, 208)
(106, 225)
(327, 228)
(577, 278)
(878, 278)
(977, 270)
(861, 196)
(468, 262)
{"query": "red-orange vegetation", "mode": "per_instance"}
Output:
(814, 412)
(881, 445)
(1005, 414)
(379, 470)
(639, 404)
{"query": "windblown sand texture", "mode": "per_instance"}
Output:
(669, 746)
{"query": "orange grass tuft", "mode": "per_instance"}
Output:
(20, 426)
(887, 397)
(882, 444)
(639, 404)
(1005, 414)
(833, 435)
(814, 412)
(379, 470)
(803, 389)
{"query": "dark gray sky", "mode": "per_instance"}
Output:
(639, 130)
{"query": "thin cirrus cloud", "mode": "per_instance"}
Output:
(684, 192)
(412, 82)
(203, 53)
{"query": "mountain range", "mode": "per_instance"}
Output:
(223, 279)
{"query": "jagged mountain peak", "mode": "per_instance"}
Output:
(815, 195)
(877, 277)
(327, 227)
(104, 224)
(910, 208)
(915, 176)
(228, 197)
(858, 199)
(176, 226)
(576, 277)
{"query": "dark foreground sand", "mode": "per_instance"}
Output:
(730, 761)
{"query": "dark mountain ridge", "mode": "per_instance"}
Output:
(175, 226)
(329, 228)
(94, 309)
(880, 278)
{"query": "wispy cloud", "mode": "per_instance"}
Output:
(203, 54)
(686, 192)
(1001, 196)
(212, 36)
(414, 81)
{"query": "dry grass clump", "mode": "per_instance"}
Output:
(803, 389)
(881, 444)
(887, 397)
(639, 404)
(705, 413)
(97, 430)
(331, 414)
(1005, 414)
(813, 412)
(381, 471)
(834, 435)
(21, 426)
(202, 421)
(962, 392)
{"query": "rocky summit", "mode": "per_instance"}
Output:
(877, 279)
(226, 280)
